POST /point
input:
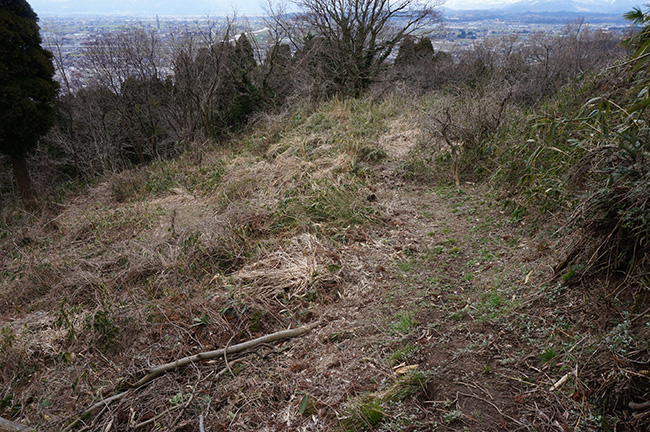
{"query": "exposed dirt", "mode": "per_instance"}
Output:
(443, 283)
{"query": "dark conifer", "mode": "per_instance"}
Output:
(27, 89)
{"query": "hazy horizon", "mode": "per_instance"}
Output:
(243, 7)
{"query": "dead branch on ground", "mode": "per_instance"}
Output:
(155, 372)
(9, 426)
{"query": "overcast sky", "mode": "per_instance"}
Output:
(205, 7)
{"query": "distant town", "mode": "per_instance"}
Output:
(67, 36)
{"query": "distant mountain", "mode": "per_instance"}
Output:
(578, 6)
(548, 12)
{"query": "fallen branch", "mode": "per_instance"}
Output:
(9, 426)
(155, 372)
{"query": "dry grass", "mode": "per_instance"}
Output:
(119, 276)
(301, 269)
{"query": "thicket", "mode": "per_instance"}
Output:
(477, 108)
(558, 125)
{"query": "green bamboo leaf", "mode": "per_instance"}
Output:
(307, 406)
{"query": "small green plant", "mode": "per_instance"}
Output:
(161, 177)
(6, 402)
(65, 318)
(567, 277)
(371, 154)
(7, 338)
(406, 385)
(364, 415)
(619, 339)
(403, 322)
(255, 321)
(486, 255)
(405, 265)
(496, 303)
(517, 211)
(458, 315)
(548, 355)
(201, 320)
(452, 417)
(402, 355)
(307, 406)
(179, 398)
(103, 327)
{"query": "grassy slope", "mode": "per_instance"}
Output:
(306, 218)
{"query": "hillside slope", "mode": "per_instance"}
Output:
(434, 309)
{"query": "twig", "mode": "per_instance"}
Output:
(153, 419)
(518, 379)
(94, 423)
(478, 387)
(201, 429)
(641, 315)
(559, 383)
(629, 62)
(185, 406)
(155, 372)
(179, 327)
(103, 402)
(636, 406)
(225, 356)
(226, 369)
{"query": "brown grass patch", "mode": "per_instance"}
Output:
(302, 269)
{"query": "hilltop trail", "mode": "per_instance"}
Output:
(423, 291)
(436, 305)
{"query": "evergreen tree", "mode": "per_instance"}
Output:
(244, 55)
(407, 52)
(424, 49)
(27, 90)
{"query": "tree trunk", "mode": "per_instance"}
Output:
(23, 180)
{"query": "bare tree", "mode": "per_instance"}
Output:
(131, 52)
(352, 39)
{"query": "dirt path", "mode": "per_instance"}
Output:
(443, 287)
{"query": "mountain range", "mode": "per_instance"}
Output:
(542, 11)
(584, 6)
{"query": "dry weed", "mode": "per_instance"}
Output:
(298, 270)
